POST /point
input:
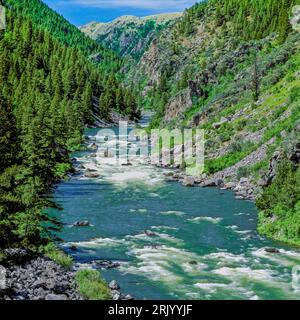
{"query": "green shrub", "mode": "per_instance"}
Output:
(91, 286)
(295, 94)
(279, 206)
(61, 169)
(55, 254)
(243, 172)
(228, 160)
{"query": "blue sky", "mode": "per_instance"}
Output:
(80, 12)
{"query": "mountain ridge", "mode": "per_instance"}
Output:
(129, 36)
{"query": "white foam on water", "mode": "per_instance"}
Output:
(263, 275)
(154, 195)
(284, 257)
(245, 233)
(192, 267)
(223, 258)
(205, 219)
(163, 228)
(158, 264)
(97, 243)
(175, 213)
(130, 176)
(82, 266)
(161, 236)
(234, 227)
(267, 277)
(211, 287)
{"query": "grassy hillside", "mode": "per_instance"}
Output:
(232, 68)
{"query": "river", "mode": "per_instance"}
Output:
(205, 244)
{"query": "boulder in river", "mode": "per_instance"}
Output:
(126, 164)
(230, 185)
(113, 285)
(169, 174)
(106, 264)
(91, 170)
(189, 181)
(208, 183)
(84, 223)
(149, 233)
(92, 175)
(272, 250)
(93, 146)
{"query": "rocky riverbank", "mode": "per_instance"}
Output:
(244, 188)
(36, 277)
(28, 276)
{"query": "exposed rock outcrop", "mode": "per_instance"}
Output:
(38, 279)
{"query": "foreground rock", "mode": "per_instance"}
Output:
(39, 279)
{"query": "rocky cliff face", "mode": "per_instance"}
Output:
(237, 81)
(129, 35)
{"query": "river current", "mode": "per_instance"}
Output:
(204, 243)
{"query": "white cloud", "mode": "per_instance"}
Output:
(173, 5)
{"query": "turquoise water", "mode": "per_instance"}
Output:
(206, 245)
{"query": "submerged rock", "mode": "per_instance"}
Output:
(107, 264)
(84, 223)
(126, 164)
(272, 250)
(92, 175)
(149, 233)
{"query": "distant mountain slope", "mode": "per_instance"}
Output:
(129, 35)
